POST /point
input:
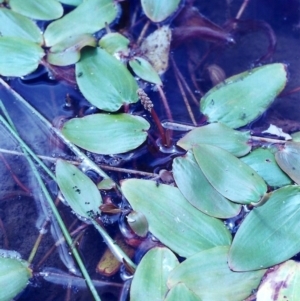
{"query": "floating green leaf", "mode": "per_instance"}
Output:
(107, 134)
(181, 292)
(263, 162)
(144, 70)
(220, 135)
(269, 234)
(78, 189)
(86, 18)
(15, 25)
(14, 276)
(40, 10)
(105, 81)
(68, 52)
(174, 221)
(18, 57)
(230, 176)
(244, 97)
(288, 158)
(209, 277)
(138, 223)
(281, 284)
(114, 42)
(157, 10)
(198, 191)
(149, 282)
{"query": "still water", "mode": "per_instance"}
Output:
(23, 209)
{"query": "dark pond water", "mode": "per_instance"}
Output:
(21, 211)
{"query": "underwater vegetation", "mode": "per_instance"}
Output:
(143, 154)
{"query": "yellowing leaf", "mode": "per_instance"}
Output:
(282, 283)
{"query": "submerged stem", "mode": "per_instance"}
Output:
(81, 156)
(165, 101)
(64, 231)
(186, 102)
(105, 167)
(37, 242)
(143, 32)
(26, 148)
(10, 126)
(120, 255)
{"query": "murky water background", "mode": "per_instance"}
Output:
(21, 211)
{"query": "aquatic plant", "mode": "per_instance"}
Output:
(219, 169)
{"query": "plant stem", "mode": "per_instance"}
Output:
(105, 167)
(183, 81)
(112, 245)
(242, 9)
(186, 102)
(68, 238)
(81, 156)
(114, 248)
(160, 128)
(35, 247)
(165, 102)
(27, 148)
(64, 231)
(178, 126)
(267, 140)
(143, 32)
(148, 105)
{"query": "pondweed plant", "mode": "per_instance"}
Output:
(220, 170)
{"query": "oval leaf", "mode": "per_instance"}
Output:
(181, 292)
(150, 278)
(209, 267)
(107, 134)
(79, 190)
(40, 10)
(283, 282)
(244, 97)
(15, 25)
(269, 234)
(18, 57)
(14, 276)
(68, 52)
(156, 48)
(144, 70)
(104, 81)
(76, 22)
(138, 223)
(114, 42)
(157, 10)
(198, 191)
(288, 158)
(230, 176)
(175, 222)
(219, 135)
(264, 163)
